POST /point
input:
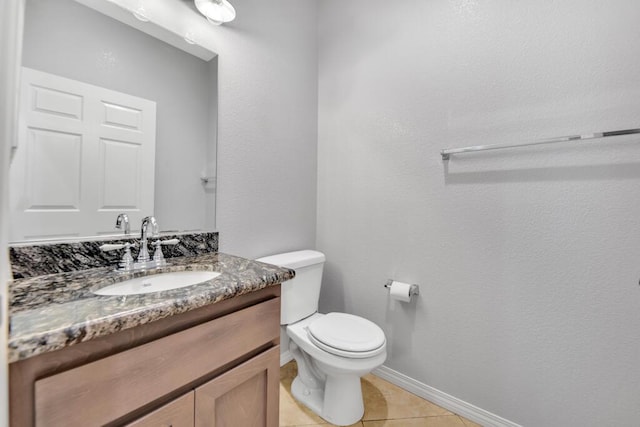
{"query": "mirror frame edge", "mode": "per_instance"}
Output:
(11, 34)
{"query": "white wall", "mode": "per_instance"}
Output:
(267, 131)
(528, 260)
(68, 39)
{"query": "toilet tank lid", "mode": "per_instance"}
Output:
(295, 259)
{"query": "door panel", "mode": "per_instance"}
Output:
(119, 167)
(244, 396)
(53, 153)
(55, 102)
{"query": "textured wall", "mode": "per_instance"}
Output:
(267, 134)
(529, 259)
(68, 39)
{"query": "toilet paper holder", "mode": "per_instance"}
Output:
(413, 290)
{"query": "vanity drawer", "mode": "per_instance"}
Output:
(110, 388)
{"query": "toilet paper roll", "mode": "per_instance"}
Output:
(400, 291)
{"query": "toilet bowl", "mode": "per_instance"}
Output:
(332, 350)
(328, 383)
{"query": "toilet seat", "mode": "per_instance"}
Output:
(347, 335)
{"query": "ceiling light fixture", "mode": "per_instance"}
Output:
(216, 11)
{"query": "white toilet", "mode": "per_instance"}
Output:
(332, 350)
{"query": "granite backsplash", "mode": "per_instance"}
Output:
(51, 258)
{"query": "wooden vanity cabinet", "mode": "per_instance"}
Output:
(177, 413)
(214, 366)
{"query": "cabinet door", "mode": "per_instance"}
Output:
(177, 413)
(245, 396)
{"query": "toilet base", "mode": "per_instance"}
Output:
(311, 398)
(343, 403)
(340, 402)
(333, 394)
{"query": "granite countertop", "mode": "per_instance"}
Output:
(54, 311)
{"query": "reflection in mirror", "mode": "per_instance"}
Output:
(88, 148)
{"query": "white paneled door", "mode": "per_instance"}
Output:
(84, 155)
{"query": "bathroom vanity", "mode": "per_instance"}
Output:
(203, 355)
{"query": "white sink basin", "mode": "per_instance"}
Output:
(157, 283)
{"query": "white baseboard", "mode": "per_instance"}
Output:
(285, 358)
(453, 404)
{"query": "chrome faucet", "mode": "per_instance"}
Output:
(123, 217)
(143, 256)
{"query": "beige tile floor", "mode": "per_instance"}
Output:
(385, 405)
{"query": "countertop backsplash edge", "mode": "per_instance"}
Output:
(43, 258)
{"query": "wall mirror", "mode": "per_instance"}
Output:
(112, 120)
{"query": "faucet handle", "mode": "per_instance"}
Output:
(158, 256)
(115, 246)
(166, 242)
(126, 263)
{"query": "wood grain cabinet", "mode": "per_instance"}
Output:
(245, 396)
(215, 366)
(177, 413)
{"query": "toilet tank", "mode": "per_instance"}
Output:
(300, 295)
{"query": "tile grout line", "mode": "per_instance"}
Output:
(407, 418)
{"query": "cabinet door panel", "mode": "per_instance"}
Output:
(245, 396)
(177, 413)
